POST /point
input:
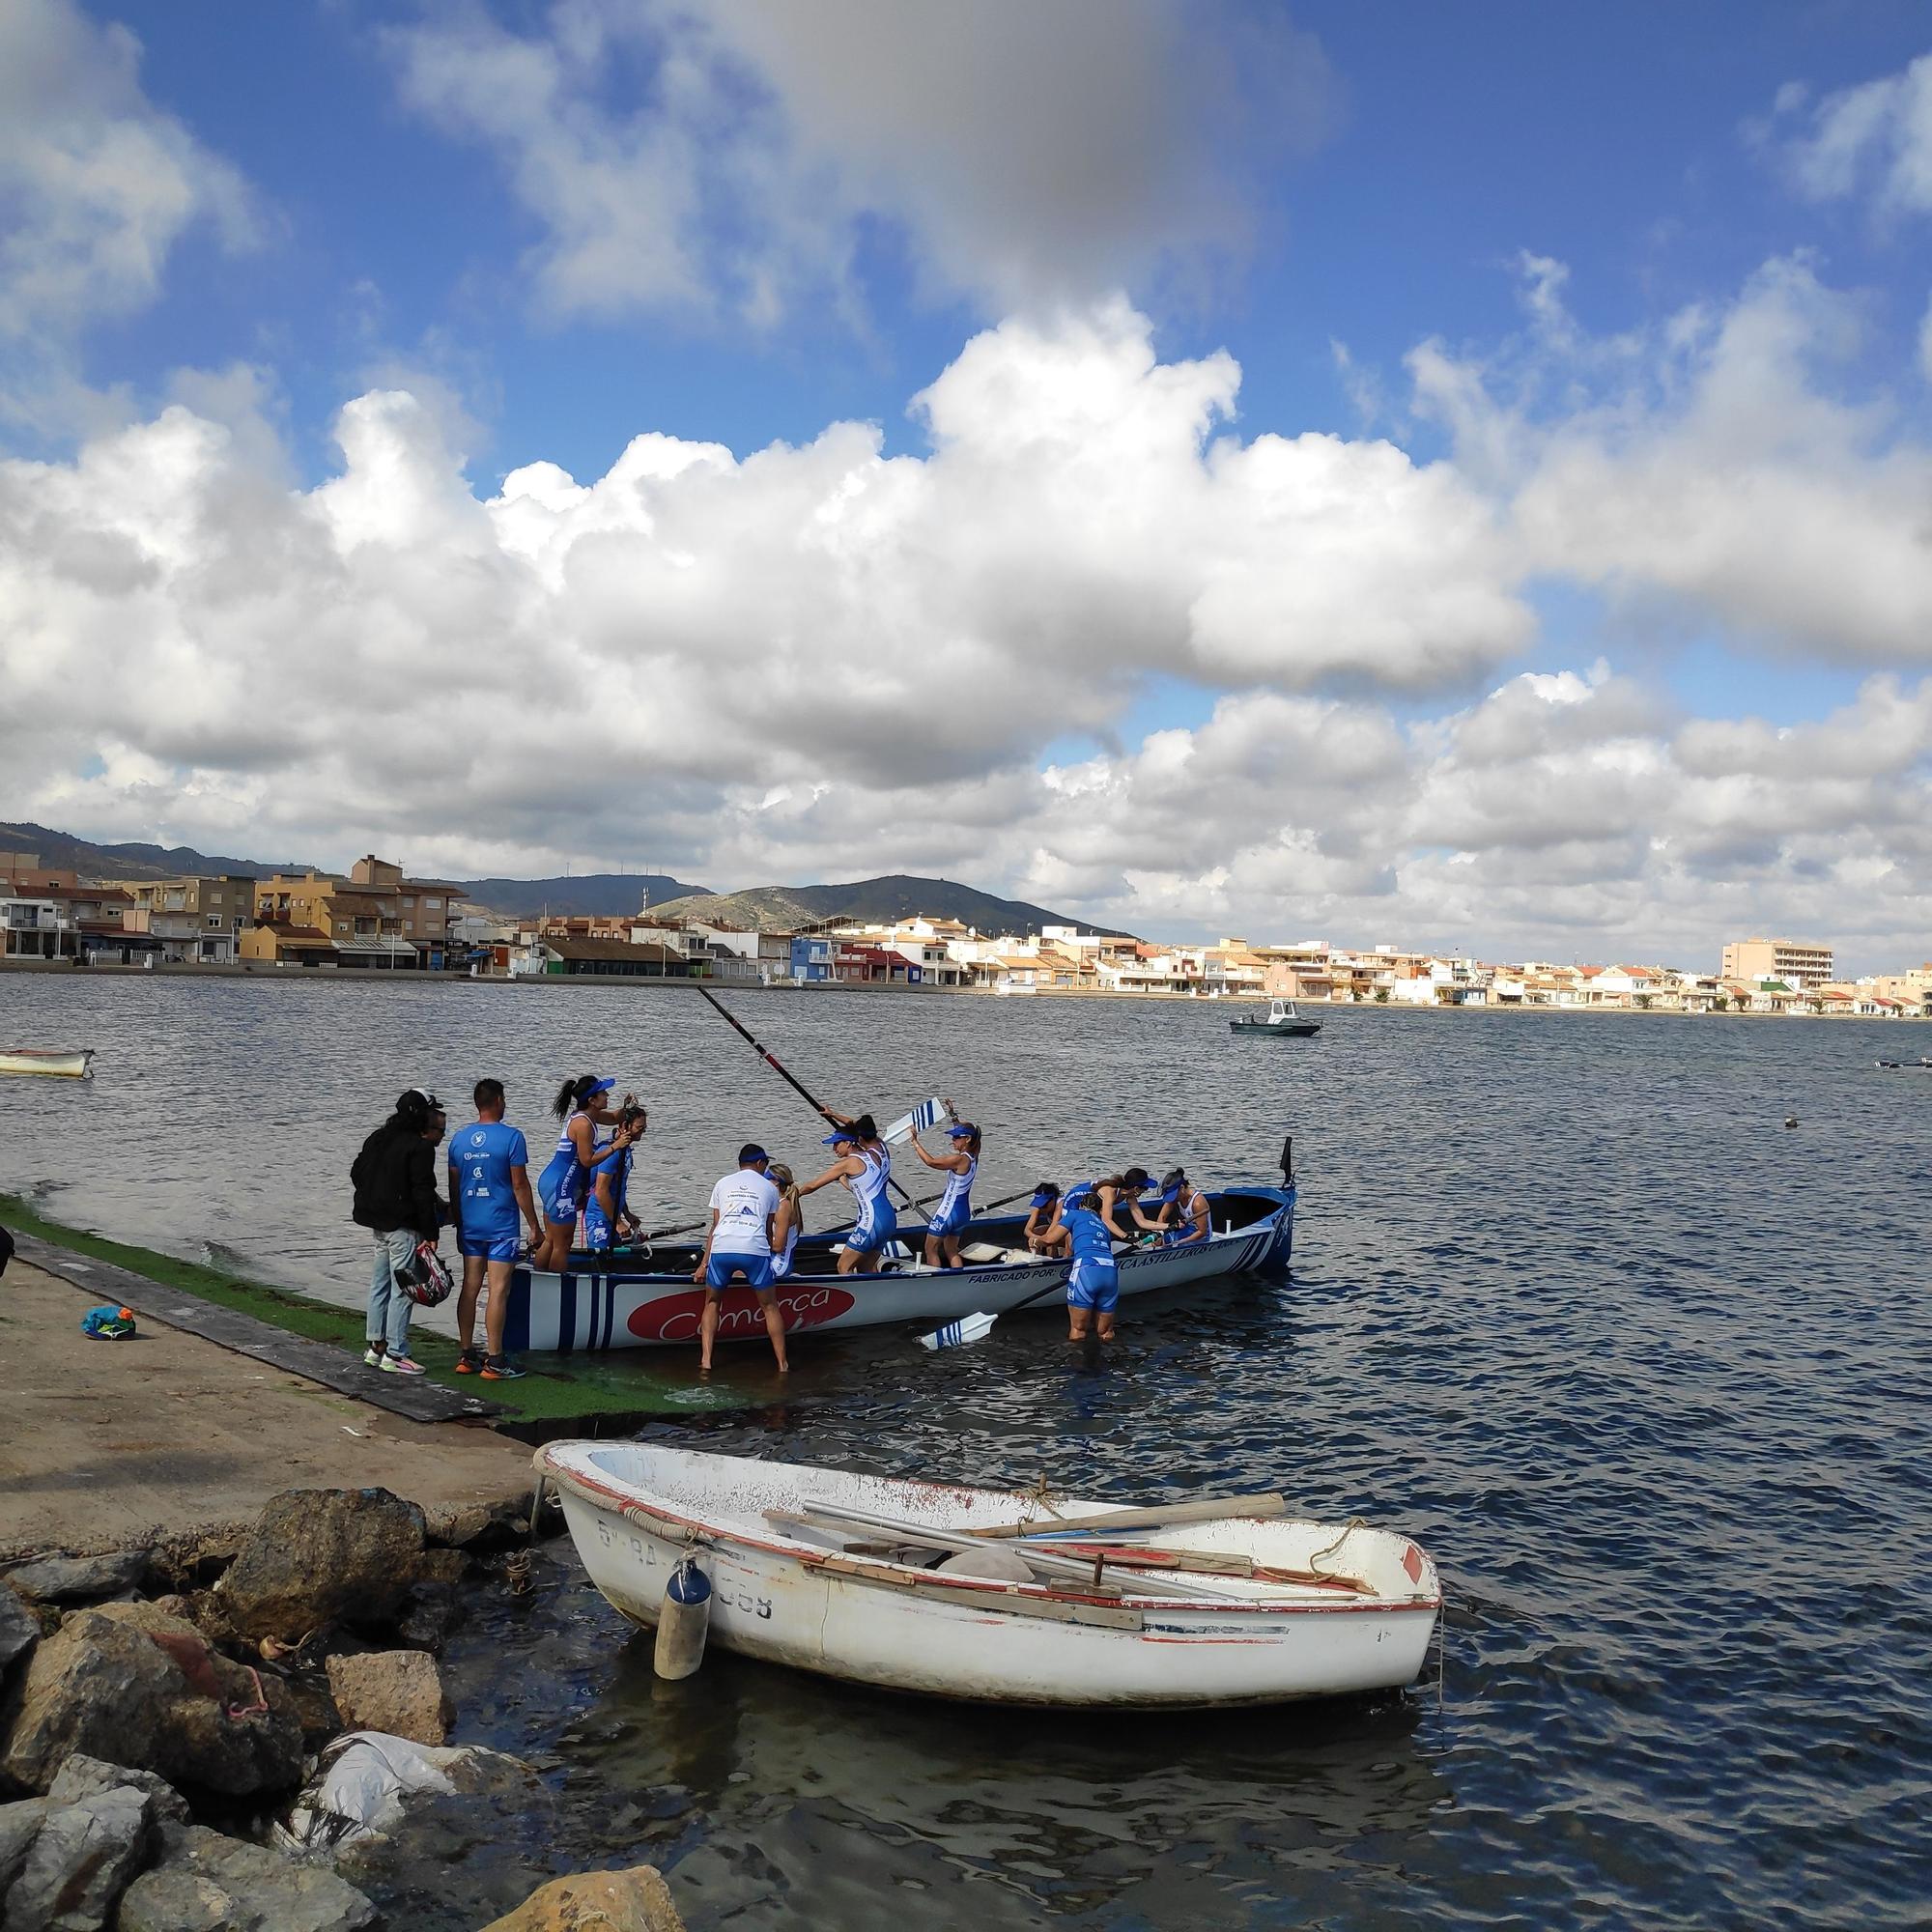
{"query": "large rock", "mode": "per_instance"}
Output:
(19, 1630)
(395, 1691)
(81, 1579)
(129, 1684)
(80, 1863)
(322, 1556)
(478, 1527)
(20, 1827)
(637, 1900)
(83, 1777)
(214, 1884)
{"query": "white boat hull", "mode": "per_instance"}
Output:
(34, 1060)
(624, 1306)
(636, 1510)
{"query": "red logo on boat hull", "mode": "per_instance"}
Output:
(674, 1318)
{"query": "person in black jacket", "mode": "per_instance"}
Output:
(395, 1177)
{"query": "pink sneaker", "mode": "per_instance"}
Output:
(402, 1365)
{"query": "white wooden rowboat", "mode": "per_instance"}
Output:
(626, 1302)
(801, 1574)
(46, 1059)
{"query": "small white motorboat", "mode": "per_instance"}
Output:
(46, 1059)
(1284, 1021)
(1003, 1598)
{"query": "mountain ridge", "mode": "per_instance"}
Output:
(892, 895)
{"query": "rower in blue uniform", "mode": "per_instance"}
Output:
(864, 1163)
(565, 1184)
(954, 1205)
(1186, 1214)
(1093, 1284)
(606, 1211)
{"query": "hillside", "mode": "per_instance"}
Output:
(62, 852)
(768, 908)
(603, 895)
(899, 896)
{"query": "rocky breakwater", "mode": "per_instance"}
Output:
(172, 1731)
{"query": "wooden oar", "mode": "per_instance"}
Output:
(1204, 1509)
(772, 1061)
(1209, 1563)
(1072, 1571)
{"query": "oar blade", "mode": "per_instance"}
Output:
(955, 1334)
(927, 1113)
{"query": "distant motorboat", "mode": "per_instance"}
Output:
(66, 1065)
(1283, 1022)
(1007, 987)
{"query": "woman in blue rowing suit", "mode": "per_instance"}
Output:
(789, 1223)
(862, 1162)
(1186, 1212)
(954, 1206)
(564, 1184)
(606, 1207)
(1093, 1284)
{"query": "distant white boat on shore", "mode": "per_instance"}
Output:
(66, 1065)
(1005, 986)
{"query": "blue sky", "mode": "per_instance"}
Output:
(1636, 298)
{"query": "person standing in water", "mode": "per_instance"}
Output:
(564, 1184)
(862, 1161)
(1093, 1284)
(954, 1206)
(738, 1246)
(489, 1190)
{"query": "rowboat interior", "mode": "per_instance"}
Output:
(1012, 1595)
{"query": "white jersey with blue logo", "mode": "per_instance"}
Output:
(877, 1220)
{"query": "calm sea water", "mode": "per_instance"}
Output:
(1641, 1366)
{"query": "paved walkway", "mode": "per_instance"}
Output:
(107, 1445)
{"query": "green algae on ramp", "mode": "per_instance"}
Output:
(608, 1386)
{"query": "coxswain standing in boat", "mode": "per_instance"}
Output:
(738, 1246)
(954, 1206)
(606, 1207)
(489, 1189)
(864, 1164)
(1093, 1284)
(565, 1184)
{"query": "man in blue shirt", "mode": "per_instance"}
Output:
(489, 1187)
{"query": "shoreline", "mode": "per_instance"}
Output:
(66, 969)
(322, 1342)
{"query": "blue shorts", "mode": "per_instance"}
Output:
(485, 1246)
(599, 1232)
(873, 1235)
(560, 1209)
(1094, 1285)
(756, 1270)
(954, 1221)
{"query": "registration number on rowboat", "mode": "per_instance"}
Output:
(646, 1555)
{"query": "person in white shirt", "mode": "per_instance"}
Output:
(738, 1247)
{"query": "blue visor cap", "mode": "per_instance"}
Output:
(1040, 1199)
(602, 1087)
(962, 1130)
(1168, 1194)
(841, 1138)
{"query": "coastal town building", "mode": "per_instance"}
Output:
(197, 921)
(375, 917)
(1799, 962)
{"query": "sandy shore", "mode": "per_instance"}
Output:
(112, 1445)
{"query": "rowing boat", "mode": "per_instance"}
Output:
(649, 1299)
(1238, 1602)
(46, 1059)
